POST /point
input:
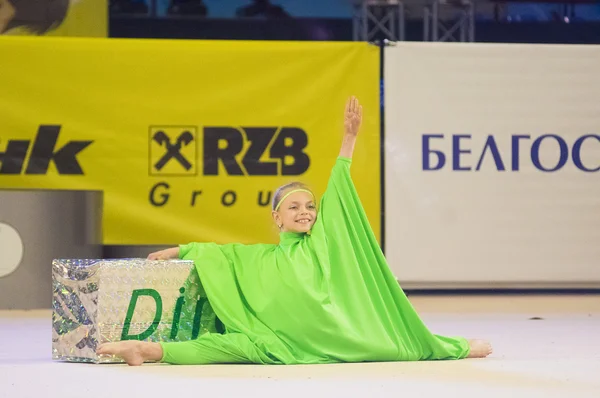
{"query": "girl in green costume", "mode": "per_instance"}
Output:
(324, 294)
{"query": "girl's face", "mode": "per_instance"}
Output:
(297, 212)
(7, 13)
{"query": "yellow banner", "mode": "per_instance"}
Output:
(87, 18)
(188, 140)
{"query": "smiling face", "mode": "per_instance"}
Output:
(297, 212)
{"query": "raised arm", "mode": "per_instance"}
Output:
(352, 123)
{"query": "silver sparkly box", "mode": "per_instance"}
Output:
(99, 301)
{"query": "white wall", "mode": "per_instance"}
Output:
(486, 228)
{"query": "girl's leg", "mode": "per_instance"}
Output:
(209, 348)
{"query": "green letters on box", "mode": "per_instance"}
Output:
(99, 301)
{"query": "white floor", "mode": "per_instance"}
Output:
(557, 356)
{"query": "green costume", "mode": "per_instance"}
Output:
(324, 297)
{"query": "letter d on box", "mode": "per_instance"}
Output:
(100, 301)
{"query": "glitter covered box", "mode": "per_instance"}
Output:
(99, 301)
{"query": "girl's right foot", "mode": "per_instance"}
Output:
(479, 349)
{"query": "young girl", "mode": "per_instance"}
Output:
(324, 294)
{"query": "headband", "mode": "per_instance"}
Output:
(291, 192)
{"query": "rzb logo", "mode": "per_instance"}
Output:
(173, 150)
(250, 151)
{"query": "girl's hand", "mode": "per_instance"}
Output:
(166, 254)
(353, 117)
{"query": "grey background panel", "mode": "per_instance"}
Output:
(51, 224)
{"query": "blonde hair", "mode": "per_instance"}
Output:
(280, 191)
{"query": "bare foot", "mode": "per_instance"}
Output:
(133, 352)
(479, 349)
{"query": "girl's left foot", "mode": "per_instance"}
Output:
(132, 351)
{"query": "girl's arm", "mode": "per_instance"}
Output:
(352, 123)
(166, 254)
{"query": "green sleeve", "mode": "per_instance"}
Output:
(341, 210)
(364, 284)
(184, 250)
(341, 198)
